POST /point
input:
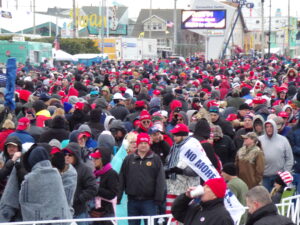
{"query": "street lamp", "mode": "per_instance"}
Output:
(175, 26)
(262, 29)
(270, 31)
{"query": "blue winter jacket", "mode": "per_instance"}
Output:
(24, 136)
(294, 139)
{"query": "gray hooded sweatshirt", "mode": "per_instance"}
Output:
(278, 152)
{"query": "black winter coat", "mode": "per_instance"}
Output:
(202, 133)
(108, 189)
(142, 178)
(80, 88)
(86, 182)
(267, 215)
(162, 149)
(96, 129)
(36, 132)
(225, 126)
(238, 140)
(54, 133)
(206, 213)
(225, 149)
(119, 112)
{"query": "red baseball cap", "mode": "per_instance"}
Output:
(180, 130)
(54, 150)
(139, 104)
(283, 114)
(156, 92)
(96, 155)
(23, 123)
(259, 100)
(231, 117)
(87, 134)
(79, 105)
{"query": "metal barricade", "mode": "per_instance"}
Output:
(290, 207)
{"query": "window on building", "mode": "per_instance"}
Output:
(168, 43)
(161, 42)
(257, 21)
(160, 26)
(155, 26)
(150, 48)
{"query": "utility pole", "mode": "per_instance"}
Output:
(150, 15)
(34, 30)
(74, 19)
(289, 29)
(270, 29)
(107, 19)
(175, 26)
(262, 29)
(102, 24)
(56, 21)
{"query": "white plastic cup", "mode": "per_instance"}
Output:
(198, 191)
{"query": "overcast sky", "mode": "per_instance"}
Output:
(136, 5)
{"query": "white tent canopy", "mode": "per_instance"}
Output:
(89, 56)
(60, 55)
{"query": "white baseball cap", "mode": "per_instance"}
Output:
(118, 96)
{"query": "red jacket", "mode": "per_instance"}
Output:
(3, 135)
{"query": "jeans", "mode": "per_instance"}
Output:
(141, 208)
(82, 216)
(268, 182)
(296, 182)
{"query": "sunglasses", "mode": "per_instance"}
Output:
(146, 122)
(69, 154)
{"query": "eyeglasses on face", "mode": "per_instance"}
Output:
(146, 122)
(69, 154)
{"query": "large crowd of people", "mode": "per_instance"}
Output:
(102, 140)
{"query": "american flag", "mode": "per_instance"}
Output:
(170, 24)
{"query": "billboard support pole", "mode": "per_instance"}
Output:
(231, 32)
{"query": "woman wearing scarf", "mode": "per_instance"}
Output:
(108, 186)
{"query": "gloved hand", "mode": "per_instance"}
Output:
(167, 173)
(176, 170)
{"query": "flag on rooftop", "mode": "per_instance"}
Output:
(170, 24)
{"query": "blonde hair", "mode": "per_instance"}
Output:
(8, 124)
(58, 112)
(130, 137)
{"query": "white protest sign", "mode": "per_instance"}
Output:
(194, 156)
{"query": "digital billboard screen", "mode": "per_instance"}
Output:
(203, 19)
